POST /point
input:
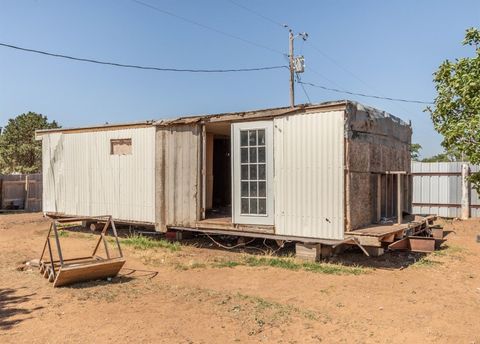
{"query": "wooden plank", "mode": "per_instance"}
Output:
(228, 225)
(74, 273)
(378, 231)
(307, 251)
(379, 197)
(399, 199)
(259, 235)
(389, 238)
(369, 240)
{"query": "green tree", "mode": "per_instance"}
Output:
(442, 157)
(456, 111)
(415, 151)
(19, 152)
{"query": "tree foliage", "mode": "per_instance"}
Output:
(442, 157)
(415, 151)
(19, 152)
(456, 112)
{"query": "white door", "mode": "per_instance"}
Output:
(252, 172)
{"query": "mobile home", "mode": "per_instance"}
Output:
(312, 173)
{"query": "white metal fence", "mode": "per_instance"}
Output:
(437, 189)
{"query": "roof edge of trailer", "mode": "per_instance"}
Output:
(99, 127)
(230, 116)
(239, 115)
(279, 111)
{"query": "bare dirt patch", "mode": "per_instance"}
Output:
(205, 295)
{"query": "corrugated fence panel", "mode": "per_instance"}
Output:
(437, 189)
(178, 175)
(90, 181)
(309, 175)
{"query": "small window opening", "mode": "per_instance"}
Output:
(120, 146)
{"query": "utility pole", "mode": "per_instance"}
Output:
(296, 64)
(292, 67)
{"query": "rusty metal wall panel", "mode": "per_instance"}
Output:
(309, 175)
(178, 175)
(82, 177)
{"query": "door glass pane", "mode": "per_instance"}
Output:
(253, 172)
(252, 137)
(253, 189)
(244, 138)
(262, 206)
(244, 206)
(261, 137)
(262, 189)
(253, 206)
(243, 155)
(244, 189)
(253, 154)
(244, 172)
(261, 172)
(261, 154)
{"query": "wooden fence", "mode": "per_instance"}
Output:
(21, 192)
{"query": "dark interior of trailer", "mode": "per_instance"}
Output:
(388, 196)
(218, 172)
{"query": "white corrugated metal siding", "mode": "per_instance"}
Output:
(437, 189)
(82, 178)
(309, 175)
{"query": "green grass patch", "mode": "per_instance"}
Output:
(455, 251)
(140, 242)
(63, 233)
(424, 262)
(68, 225)
(283, 263)
(333, 269)
(191, 266)
(291, 264)
(226, 264)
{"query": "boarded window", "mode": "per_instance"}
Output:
(121, 146)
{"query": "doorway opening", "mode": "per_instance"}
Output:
(218, 180)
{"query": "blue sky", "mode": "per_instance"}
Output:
(388, 48)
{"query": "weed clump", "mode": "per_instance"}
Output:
(140, 242)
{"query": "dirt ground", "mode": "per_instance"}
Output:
(399, 298)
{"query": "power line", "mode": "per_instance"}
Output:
(365, 95)
(347, 71)
(332, 60)
(161, 69)
(299, 81)
(171, 14)
(258, 14)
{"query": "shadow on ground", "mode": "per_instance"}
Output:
(391, 260)
(11, 311)
(120, 279)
